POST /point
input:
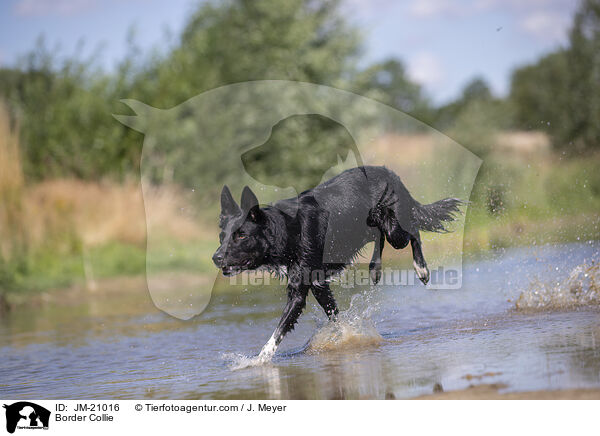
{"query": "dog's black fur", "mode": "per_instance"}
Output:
(333, 222)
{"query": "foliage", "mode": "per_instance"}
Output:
(561, 92)
(67, 128)
(475, 117)
(388, 82)
(242, 40)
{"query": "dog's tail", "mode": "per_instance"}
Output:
(433, 217)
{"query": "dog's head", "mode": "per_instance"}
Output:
(244, 245)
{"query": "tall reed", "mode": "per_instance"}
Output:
(11, 186)
(12, 233)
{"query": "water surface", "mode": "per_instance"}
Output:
(120, 346)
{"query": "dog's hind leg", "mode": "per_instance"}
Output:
(293, 308)
(324, 297)
(419, 260)
(375, 264)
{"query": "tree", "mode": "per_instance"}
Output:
(239, 41)
(540, 93)
(66, 105)
(475, 109)
(476, 89)
(470, 120)
(244, 40)
(388, 82)
(561, 92)
(65, 112)
(583, 106)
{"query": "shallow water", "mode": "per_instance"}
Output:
(392, 343)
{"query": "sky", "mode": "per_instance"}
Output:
(443, 43)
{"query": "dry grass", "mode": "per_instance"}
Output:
(400, 150)
(106, 212)
(405, 150)
(11, 187)
(46, 227)
(523, 142)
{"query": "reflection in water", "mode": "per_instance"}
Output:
(122, 347)
(520, 352)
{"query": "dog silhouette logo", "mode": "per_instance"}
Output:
(26, 415)
(293, 139)
(280, 138)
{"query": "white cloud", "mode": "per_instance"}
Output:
(30, 8)
(369, 6)
(432, 8)
(426, 69)
(544, 19)
(546, 25)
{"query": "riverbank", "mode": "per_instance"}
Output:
(494, 392)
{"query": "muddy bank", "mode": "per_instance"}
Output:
(493, 392)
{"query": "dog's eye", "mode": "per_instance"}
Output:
(240, 236)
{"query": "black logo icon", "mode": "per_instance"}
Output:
(26, 415)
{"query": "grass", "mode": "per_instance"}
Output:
(545, 199)
(58, 232)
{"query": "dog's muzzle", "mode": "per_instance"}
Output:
(218, 259)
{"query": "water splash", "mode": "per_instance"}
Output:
(240, 361)
(353, 328)
(580, 288)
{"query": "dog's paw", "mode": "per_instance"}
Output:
(268, 351)
(375, 272)
(422, 273)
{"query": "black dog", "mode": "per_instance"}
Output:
(332, 224)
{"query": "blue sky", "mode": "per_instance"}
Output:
(444, 43)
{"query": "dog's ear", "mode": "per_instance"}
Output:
(256, 215)
(250, 205)
(249, 200)
(228, 204)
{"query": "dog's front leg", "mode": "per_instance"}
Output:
(294, 307)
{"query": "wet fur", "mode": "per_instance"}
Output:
(333, 222)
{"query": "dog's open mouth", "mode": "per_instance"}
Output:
(231, 270)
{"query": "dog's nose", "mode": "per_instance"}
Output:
(217, 259)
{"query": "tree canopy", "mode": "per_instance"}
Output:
(64, 104)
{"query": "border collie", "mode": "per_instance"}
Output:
(312, 237)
